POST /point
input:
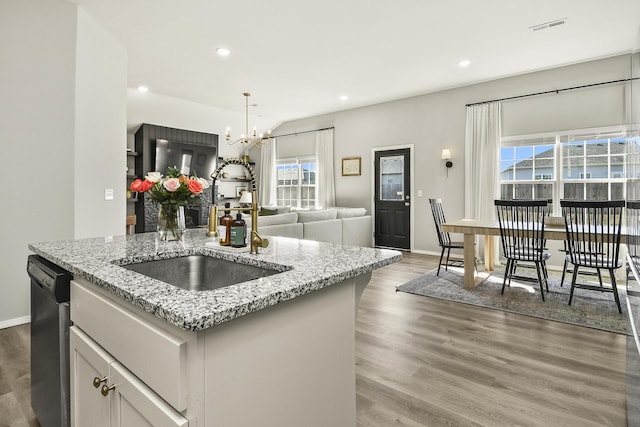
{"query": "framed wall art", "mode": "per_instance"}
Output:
(351, 166)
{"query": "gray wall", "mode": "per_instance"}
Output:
(437, 120)
(37, 86)
(47, 76)
(296, 145)
(100, 145)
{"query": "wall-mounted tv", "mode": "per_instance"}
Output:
(190, 159)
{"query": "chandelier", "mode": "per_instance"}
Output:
(253, 139)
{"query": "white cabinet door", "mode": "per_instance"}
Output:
(128, 401)
(133, 404)
(88, 361)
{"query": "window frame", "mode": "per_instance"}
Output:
(559, 141)
(299, 161)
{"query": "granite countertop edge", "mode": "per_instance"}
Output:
(309, 266)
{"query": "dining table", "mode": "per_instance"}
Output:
(490, 229)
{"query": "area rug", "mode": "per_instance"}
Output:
(591, 309)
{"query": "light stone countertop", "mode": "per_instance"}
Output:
(310, 266)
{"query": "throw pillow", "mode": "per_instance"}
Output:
(268, 211)
(286, 218)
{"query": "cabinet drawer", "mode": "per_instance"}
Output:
(154, 355)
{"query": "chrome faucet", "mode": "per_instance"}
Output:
(256, 240)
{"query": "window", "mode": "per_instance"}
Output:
(296, 183)
(392, 178)
(543, 176)
(593, 167)
(578, 165)
(524, 164)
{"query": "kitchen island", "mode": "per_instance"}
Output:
(274, 351)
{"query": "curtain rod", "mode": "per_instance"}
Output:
(554, 91)
(298, 133)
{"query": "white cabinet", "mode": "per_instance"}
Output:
(155, 356)
(105, 393)
(88, 361)
(165, 376)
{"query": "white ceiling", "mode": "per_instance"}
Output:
(297, 57)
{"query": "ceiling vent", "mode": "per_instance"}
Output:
(551, 24)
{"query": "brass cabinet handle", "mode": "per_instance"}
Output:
(105, 389)
(97, 381)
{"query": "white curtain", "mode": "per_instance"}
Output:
(482, 150)
(268, 174)
(325, 183)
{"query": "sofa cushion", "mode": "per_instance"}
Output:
(357, 231)
(321, 215)
(285, 218)
(329, 231)
(294, 230)
(351, 212)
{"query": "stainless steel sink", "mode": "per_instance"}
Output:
(200, 272)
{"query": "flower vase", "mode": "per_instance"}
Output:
(171, 223)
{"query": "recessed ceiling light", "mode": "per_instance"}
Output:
(464, 63)
(143, 89)
(223, 51)
(344, 98)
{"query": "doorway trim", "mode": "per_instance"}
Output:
(374, 150)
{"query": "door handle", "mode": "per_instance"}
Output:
(97, 381)
(407, 204)
(106, 389)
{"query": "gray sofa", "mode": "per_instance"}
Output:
(345, 226)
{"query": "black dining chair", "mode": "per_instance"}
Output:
(568, 267)
(444, 239)
(594, 230)
(522, 235)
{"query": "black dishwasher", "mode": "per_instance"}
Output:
(49, 342)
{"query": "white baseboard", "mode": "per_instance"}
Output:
(14, 322)
(423, 252)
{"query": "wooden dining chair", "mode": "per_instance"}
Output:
(444, 238)
(593, 239)
(521, 225)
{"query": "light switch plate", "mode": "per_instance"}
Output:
(419, 193)
(108, 193)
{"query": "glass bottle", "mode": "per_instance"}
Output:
(224, 229)
(239, 232)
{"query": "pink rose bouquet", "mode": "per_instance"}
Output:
(175, 188)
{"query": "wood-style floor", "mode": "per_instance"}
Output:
(427, 362)
(15, 378)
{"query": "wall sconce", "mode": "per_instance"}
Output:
(446, 156)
